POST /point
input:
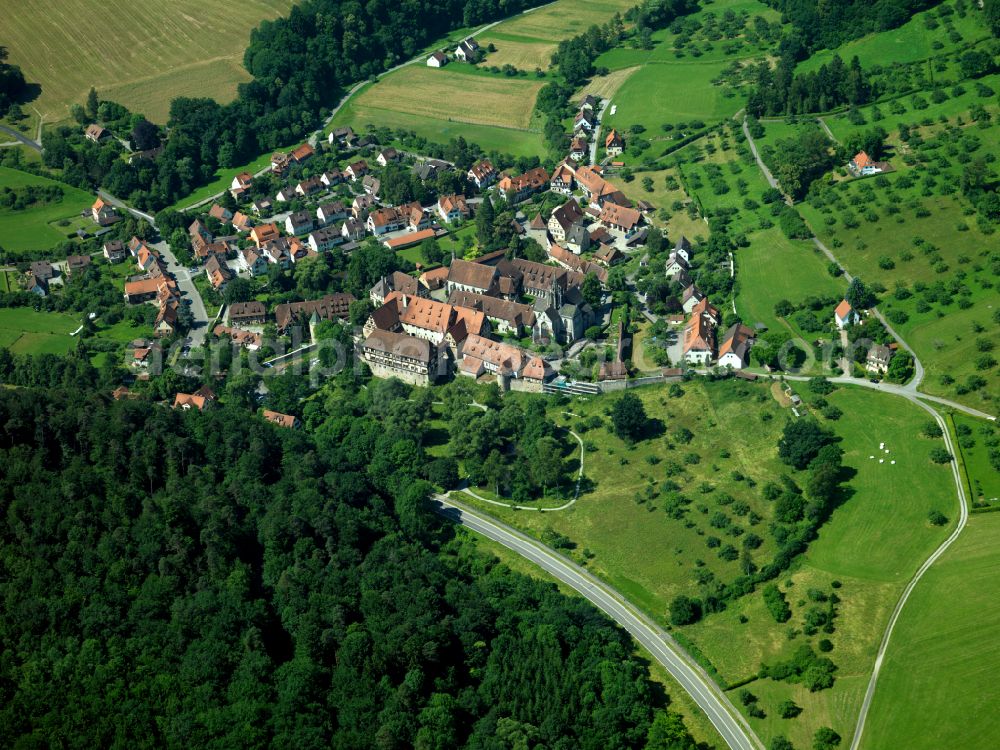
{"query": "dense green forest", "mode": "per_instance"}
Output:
(181, 579)
(829, 24)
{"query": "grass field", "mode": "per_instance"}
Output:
(142, 53)
(774, 268)
(873, 542)
(521, 52)
(663, 198)
(562, 19)
(223, 180)
(35, 228)
(982, 437)
(25, 331)
(606, 86)
(938, 682)
(660, 93)
(441, 104)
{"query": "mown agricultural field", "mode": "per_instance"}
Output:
(142, 53)
(37, 227)
(25, 331)
(561, 19)
(524, 53)
(630, 531)
(938, 681)
(440, 104)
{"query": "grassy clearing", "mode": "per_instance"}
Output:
(656, 94)
(394, 102)
(939, 676)
(562, 19)
(774, 268)
(36, 228)
(26, 331)
(480, 100)
(646, 554)
(607, 86)
(159, 50)
(910, 42)
(523, 54)
(223, 180)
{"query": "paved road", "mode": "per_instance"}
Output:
(597, 131)
(826, 128)
(22, 138)
(709, 697)
(963, 517)
(183, 277)
(760, 163)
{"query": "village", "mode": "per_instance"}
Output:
(547, 323)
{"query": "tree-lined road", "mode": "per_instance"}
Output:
(717, 707)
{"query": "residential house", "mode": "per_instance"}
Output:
(429, 169)
(734, 352)
(332, 177)
(385, 220)
(570, 260)
(218, 273)
(287, 421)
(371, 185)
(263, 207)
(331, 212)
(308, 187)
(609, 255)
(699, 334)
(585, 121)
(399, 282)
(878, 359)
(361, 205)
(77, 264)
(325, 239)
(146, 289)
(246, 313)
(43, 269)
(187, 401)
(845, 315)
(620, 219)
(564, 218)
(862, 165)
(280, 162)
(356, 170)
(593, 184)
(166, 320)
(683, 249)
(114, 251)
(277, 252)
(299, 222)
(302, 154)
(286, 194)
(352, 230)
(416, 219)
(264, 233)
(249, 340)
(340, 135)
(504, 316)
(468, 50)
(452, 208)
(221, 213)
(520, 187)
(562, 180)
(390, 354)
(434, 279)
(96, 133)
(36, 284)
(104, 213)
(691, 297)
(482, 174)
(252, 261)
(242, 222)
(578, 149)
(331, 307)
(590, 102)
(613, 143)
(437, 60)
(387, 155)
(240, 185)
(675, 266)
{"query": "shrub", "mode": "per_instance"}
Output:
(937, 518)
(788, 710)
(684, 610)
(940, 455)
(776, 603)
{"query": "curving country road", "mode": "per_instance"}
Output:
(22, 138)
(717, 707)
